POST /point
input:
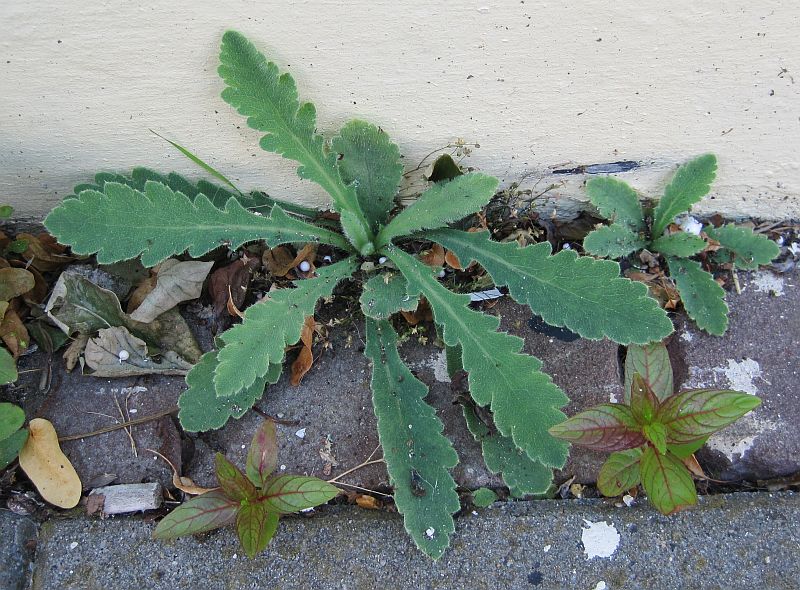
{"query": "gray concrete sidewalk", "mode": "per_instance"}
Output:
(747, 540)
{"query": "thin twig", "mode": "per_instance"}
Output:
(349, 485)
(128, 430)
(135, 422)
(272, 418)
(367, 461)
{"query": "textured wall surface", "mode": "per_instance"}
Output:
(541, 86)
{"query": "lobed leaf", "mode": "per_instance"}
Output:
(255, 526)
(586, 295)
(620, 472)
(417, 454)
(257, 90)
(693, 415)
(643, 401)
(122, 223)
(202, 409)
(523, 400)
(441, 204)
(606, 427)
(284, 494)
(667, 481)
(233, 482)
(262, 456)
(745, 248)
(691, 182)
(651, 361)
(386, 294)
(520, 473)
(679, 244)
(703, 299)
(206, 512)
(613, 241)
(371, 163)
(616, 201)
(270, 326)
(12, 417)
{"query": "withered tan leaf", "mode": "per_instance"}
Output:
(176, 282)
(115, 352)
(14, 333)
(302, 364)
(15, 282)
(47, 467)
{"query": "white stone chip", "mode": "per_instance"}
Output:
(599, 539)
(300, 433)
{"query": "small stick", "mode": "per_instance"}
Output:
(128, 430)
(367, 461)
(349, 485)
(136, 422)
(266, 416)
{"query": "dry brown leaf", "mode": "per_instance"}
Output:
(15, 282)
(115, 352)
(47, 467)
(368, 502)
(95, 504)
(278, 261)
(3, 262)
(14, 333)
(694, 467)
(423, 313)
(308, 254)
(184, 484)
(40, 289)
(231, 306)
(176, 282)
(73, 352)
(434, 256)
(44, 253)
(452, 260)
(229, 283)
(302, 364)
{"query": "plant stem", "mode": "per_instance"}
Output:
(135, 422)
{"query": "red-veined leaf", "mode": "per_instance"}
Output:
(291, 493)
(657, 435)
(263, 454)
(644, 403)
(667, 482)
(203, 513)
(687, 450)
(255, 526)
(620, 472)
(651, 361)
(233, 481)
(695, 414)
(607, 427)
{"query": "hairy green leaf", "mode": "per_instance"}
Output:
(524, 401)
(385, 294)
(606, 427)
(262, 457)
(643, 403)
(657, 435)
(11, 446)
(691, 182)
(651, 361)
(202, 409)
(255, 526)
(696, 414)
(483, 497)
(616, 201)
(703, 299)
(417, 454)
(680, 244)
(292, 493)
(613, 241)
(687, 450)
(667, 481)
(620, 472)
(232, 480)
(8, 367)
(745, 248)
(270, 326)
(257, 90)
(520, 473)
(441, 204)
(11, 419)
(371, 162)
(206, 512)
(357, 233)
(586, 295)
(122, 223)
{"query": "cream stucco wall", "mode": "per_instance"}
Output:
(539, 85)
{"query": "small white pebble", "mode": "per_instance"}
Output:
(474, 513)
(546, 548)
(280, 415)
(260, 215)
(382, 260)
(305, 266)
(441, 274)
(327, 258)
(234, 556)
(243, 446)
(283, 467)
(124, 355)
(601, 585)
(307, 509)
(133, 411)
(628, 500)
(73, 545)
(300, 433)
(430, 532)
(566, 246)
(689, 224)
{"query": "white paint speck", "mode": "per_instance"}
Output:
(601, 585)
(767, 282)
(599, 539)
(438, 363)
(300, 433)
(687, 336)
(132, 390)
(430, 532)
(546, 548)
(73, 545)
(689, 224)
(741, 375)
